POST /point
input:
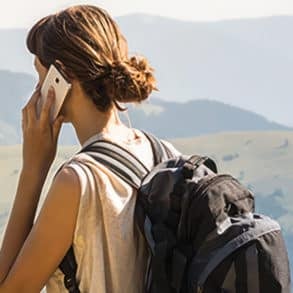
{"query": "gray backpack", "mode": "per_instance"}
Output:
(200, 226)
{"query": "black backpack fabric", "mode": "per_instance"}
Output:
(203, 233)
(200, 227)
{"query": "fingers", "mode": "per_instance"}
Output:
(29, 113)
(46, 109)
(46, 115)
(57, 126)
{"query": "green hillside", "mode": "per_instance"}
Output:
(261, 160)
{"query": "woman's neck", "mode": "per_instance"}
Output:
(90, 122)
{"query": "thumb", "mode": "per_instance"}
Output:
(57, 126)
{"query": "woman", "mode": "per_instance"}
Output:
(87, 205)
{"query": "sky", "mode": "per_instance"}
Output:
(18, 13)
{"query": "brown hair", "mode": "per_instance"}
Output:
(90, 45)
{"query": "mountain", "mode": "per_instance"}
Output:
(14, 55)
(14, 89)
(199, 60)
(271, 33)
(174, 120)
(165, 119)
(247, 63)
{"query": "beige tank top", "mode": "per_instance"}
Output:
(109, 250)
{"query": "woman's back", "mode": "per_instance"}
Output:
(86, 202)
(110, 252)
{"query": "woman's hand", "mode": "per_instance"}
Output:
(40, 136)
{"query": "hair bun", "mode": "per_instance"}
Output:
(132, 80)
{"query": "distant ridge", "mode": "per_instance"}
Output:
(165, 119)
(243, 62)
(175, 120)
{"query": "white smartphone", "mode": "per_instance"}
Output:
(53, 78)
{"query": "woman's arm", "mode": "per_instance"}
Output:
(48, 239)
(21, 218)
(20, 257)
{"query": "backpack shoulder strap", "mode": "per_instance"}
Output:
(68, 267)
(160, 150)
(119, 160)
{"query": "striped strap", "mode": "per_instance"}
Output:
(160, 150)
(119, 160)
(122, 162)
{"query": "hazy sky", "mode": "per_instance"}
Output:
(23, 13)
